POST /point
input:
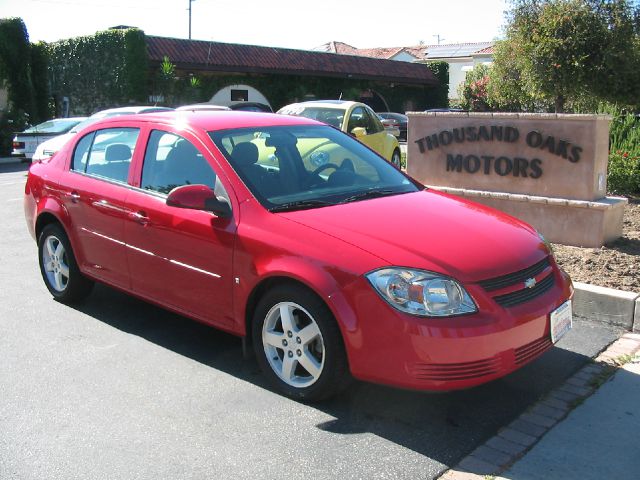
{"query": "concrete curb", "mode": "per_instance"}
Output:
(615, 307)
(516, 439)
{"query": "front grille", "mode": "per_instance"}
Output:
(521, 296)
(532, 350)
(457, 371)
(516, 277)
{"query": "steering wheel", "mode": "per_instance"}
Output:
(323, 167)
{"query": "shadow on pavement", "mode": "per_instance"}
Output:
(14, 167)
(444, 427)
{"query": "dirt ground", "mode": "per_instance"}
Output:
(616, 265)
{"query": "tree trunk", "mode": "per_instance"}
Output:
(560, 104)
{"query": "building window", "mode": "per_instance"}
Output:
(239, 95)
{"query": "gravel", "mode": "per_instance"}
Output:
(615, 265)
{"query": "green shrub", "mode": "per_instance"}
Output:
(107, 69)
(438, 97)
(624, 173)
(624, 157)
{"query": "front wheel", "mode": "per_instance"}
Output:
(395, 158)
(59, 268)
(298, 344)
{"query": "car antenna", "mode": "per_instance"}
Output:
(340, 97)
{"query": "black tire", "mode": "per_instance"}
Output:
(396, 158)
(59, 268)
(326, 349)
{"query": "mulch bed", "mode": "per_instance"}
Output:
(616, 265)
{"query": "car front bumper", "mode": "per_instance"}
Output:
(390, 347)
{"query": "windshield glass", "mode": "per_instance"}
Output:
(61, 125)
(307, 166)
(331, 116)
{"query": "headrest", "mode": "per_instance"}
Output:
(245, 153)
(280, 139)
(117, 152)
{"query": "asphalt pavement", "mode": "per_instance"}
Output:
(117, 388)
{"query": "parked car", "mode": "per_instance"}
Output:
(51, 146)
(354, 118)
(250, 107)
(331, 262)
(198, 107)
(399, 120)
(390, 126)
(25, 143)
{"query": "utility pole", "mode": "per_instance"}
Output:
(440, 39)
(190, 1)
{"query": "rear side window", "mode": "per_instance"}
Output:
(106, 153)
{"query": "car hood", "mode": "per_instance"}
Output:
(432, 231)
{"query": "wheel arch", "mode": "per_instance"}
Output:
(335, 301)
(44, 219)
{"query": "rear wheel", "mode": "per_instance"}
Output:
(395, 158)
(298, 344)
(59, 268)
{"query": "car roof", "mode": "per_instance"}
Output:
(132, 109)
(341, 104)
(209, 120)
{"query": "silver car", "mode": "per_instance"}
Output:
(51, 146)
(25, 143)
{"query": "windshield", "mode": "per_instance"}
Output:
(308, 166)
(61, 125)
(331, 116)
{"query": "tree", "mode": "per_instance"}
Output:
(558, 51)
(473, 92)
(15, 65)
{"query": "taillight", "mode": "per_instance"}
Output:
(17, 145)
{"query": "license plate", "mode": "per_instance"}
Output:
(561, 321)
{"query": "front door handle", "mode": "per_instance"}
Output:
(139, 217)
(75, 197)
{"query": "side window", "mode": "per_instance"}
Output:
(81, 153)
(374, 125)
(357, 119)
(172, 161)
(109, 156)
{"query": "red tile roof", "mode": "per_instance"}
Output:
(489, 50)
(421, 52)
(228, 57)
(380, 52)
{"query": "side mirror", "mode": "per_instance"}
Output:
(199, 197)
(359, 132)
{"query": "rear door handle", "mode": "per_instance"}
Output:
(139, 217)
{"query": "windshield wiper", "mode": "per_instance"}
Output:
(300, 205)
(370, 194)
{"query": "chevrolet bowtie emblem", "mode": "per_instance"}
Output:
(530, 283)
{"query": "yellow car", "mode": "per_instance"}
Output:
(354, 118)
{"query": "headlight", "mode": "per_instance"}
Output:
(421, 293)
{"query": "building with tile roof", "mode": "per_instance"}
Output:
(461, 57)
(386, 81)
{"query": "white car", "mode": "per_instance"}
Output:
(199, 107)
(25, 143)
(48, 148)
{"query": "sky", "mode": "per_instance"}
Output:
(280, 23)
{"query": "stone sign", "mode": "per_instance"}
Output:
(550, 170)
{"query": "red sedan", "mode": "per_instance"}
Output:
(301, 240)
